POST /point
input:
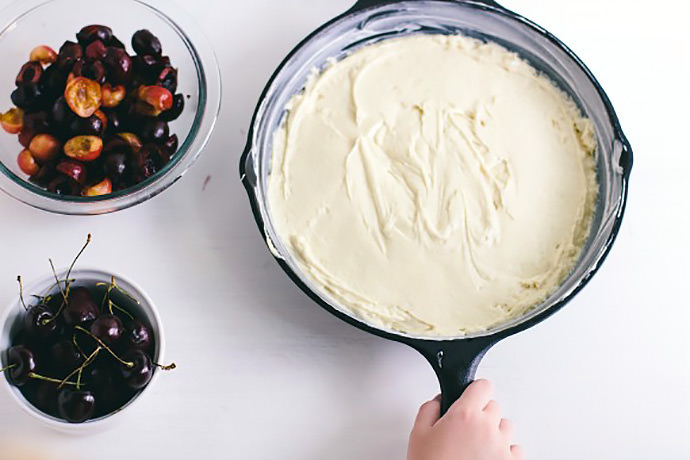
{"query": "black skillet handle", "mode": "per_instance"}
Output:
(626, 159)
(455, 364)
(363, 4)
(247, 168)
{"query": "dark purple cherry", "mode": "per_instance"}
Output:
(80, 308)
(163, 154)
(31, 72)
(115, 165)
(114, 41)
(105, 382)
(28, 96)
(96, 51)
(24, 362)
(94, 171)
(20, 338)
(132, 119)
(96, 124)
(138, 336)
(102, 374)
(95, 71)
(45, 175)
(92, 70)
(40, 323)
(139, 78)
(140, 374)
(171, 144)
(146, 162)
(92, 126)
(76, 406)
(117, 144)
(38, 122)
(114, 122)
(118, 64)
(45, 397)
(25, 137)
(147, 68)
(168, 79)
(65, 357)
(175, 111)
(108, 328)
(144, 42)
(69, 53)
(94, 32)
(155, 131)
(54, 80)
(61, 113)
(53, 303)
(63, 186)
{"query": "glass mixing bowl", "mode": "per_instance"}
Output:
(29, 23)
(371, 21)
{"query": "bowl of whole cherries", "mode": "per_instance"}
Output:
(80, 346)
(106, 107)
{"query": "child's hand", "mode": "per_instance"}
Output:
(471, 430)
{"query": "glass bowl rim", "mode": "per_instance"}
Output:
(188, 152)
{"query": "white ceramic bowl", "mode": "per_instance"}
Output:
(11, 319)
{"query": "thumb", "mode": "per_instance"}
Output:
(429, 414)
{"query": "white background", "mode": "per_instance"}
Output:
(264, 373)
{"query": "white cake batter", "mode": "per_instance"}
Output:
(434, 185)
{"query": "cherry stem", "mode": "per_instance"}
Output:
(21, 291)
(76, 345)
(79, 370)
(87, 363)
(127, 294)
(67, 282)
(112, 304)
(106, 347)
(106, 296)
(51, 380)
(169, 367)
(11, 366)
(69, 271)
(47, 298)
(57, 280)
(64, 295)
(113, 285)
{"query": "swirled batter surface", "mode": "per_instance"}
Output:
(434, 185)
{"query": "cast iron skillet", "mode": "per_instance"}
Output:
(455, 360)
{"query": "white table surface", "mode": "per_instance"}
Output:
(264, 373)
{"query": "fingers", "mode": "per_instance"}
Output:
(428, 414)
(476, 397)
(517, 453)
(493, 410)
(507, 429)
